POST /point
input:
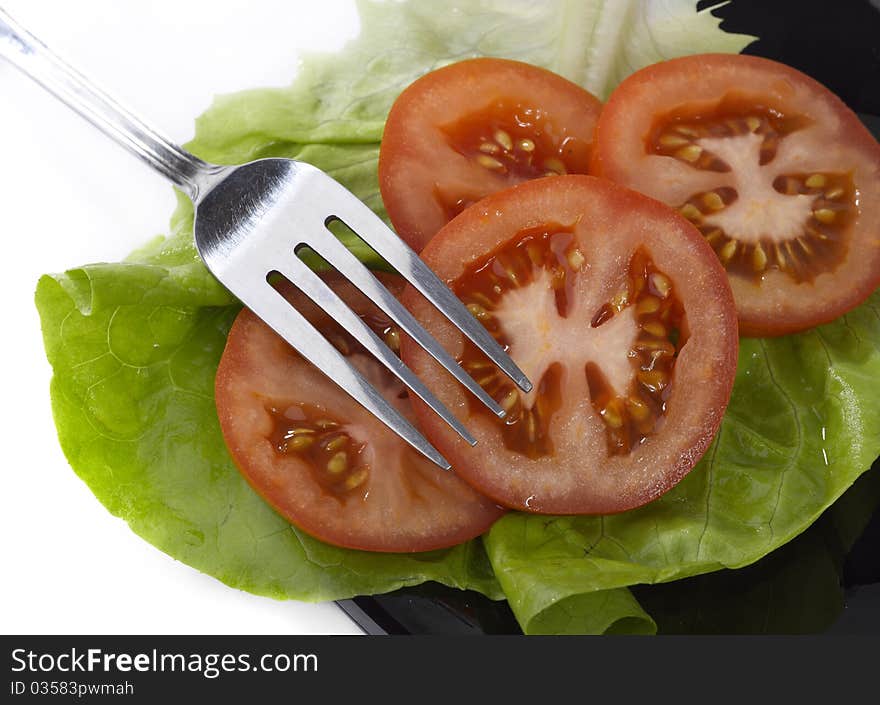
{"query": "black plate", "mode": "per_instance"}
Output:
(837, 43)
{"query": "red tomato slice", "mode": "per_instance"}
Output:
(621, 316)
(321, 460)
(472, 128)
(781, 178)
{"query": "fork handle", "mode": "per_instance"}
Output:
(32, 57)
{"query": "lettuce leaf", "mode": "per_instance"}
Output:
(796, 589)
(134, 347)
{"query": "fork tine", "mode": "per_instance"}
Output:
(284, 319)
(317, 290)
(353, 269)
(386, 243)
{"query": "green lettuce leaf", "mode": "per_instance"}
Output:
(134, 347)
(797, 589)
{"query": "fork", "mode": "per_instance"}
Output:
(251, 220)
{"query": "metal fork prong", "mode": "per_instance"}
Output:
(284, 319)
(325, 298)
(353, 269)
(360, 219)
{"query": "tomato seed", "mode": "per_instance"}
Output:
(336, 443)
(299, 443)
(392, 339)
(477, 311)
(510, 400)
(824, 215)
(486, 379)
(612, 416)
(691, 212)
(576, 259)
(661, 284)
(502, 138)
(653, 380)
(648, 304)
(482, 299)
(355, 479)
(728, 251)
(655, 328)
(650, 345)
(637, 409)
(338, 463)
(759, 258)
(536, 257)
(672, 140)
(605, 313)
(713, 201)
(484, 160)
(691, 153)
(620, 300)
(780, 257)
(478, 365)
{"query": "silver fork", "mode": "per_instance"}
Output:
(250, 221)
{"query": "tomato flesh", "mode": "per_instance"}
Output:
(619, 313)
(518, 141)
(530, 255)
(813, 211)
(631, 418)
(551, 252)
(322, 461)
(335, 459)
(779, 176)
(475, 127)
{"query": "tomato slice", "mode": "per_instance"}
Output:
(321, 460)
(781, 178)
(622, 317)
(475, 127)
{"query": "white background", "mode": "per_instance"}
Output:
(69, 196)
